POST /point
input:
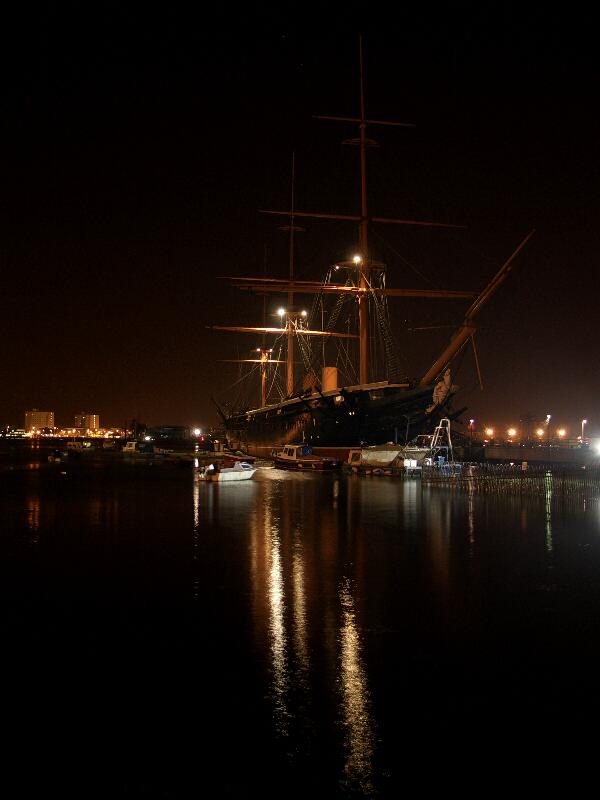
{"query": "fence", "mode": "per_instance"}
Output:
(509, 479)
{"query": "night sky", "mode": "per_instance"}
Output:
(140, 142)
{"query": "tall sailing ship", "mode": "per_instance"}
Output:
(353, 392)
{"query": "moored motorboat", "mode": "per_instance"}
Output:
(240, 471)
(390, 455)
(301, 457)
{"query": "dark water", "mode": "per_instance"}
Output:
(291, 635)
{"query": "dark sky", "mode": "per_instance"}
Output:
(139, 144)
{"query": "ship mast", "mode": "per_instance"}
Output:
(363, 242)
(362, 261)
(290, 335)
(362, 264)
(264, 360)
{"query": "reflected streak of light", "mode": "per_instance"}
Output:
(471, 518)
(523, 520)
(196, 537)
(355, 699)
(471, 508)
(196, 502)
(410, 503)
(299, 606)
(33, 517)
(336, 492)
(548, 503)
(439, 543)
(277, 631)
(549, 543)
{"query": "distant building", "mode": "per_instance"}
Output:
(87, 422)
(36, 420)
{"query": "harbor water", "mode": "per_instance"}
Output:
(293, 634)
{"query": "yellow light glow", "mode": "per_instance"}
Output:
(540, 432)
(512, 431)
(357, 259)
(489, 431)
(561, 432)
(281, 311)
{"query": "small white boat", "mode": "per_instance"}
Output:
(241, 471)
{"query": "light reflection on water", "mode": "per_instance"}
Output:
(336, 581)
(33, 513)
(277, 628)
(356, 711)
(548, 509)
(280, 535)
(299, 616)
(278, 588)
(196, 539)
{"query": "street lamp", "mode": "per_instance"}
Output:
(548, 418)
(583, 424)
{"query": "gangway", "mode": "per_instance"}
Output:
(441, 442)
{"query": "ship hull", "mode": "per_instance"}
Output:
(353, 417)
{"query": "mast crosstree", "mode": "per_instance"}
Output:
(362, 261)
